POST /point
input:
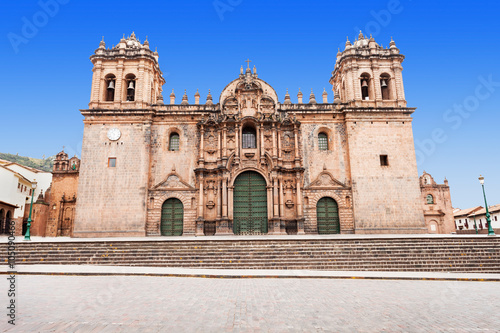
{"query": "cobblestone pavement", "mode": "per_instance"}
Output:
(170, 304)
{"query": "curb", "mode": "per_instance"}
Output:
(270, 276)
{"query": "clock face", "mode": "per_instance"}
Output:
(114, 134)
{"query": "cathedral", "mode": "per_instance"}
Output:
(248, 162)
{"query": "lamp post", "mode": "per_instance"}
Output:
(27, 235)
(475, 225)
(488, 219)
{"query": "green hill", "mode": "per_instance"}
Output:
(44, 164)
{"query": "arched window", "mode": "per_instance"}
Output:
(249, 138)
(322, 141)
(430, 199)
(110, 88)
(384, 86)
(365, 87)
(173, 143)
(130, 86)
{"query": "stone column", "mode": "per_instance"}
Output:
(282, 199)
(296, 137)
(237, 146)
(223, 227)
(119, 83)
(230, 202)
(300, 211)
(274, 207)
(219, 199)
(140, 82)
(98, 84)
(262, 148)
(269, 202)
(224, 142)
(60, 218)
(275, 198)
(224, 197)
(279, 143)
(199, 220)
(275, 151)
(219, 147)
(202, 146)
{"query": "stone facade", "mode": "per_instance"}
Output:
(39, 215)
(217, 168)
(63, 194)
(436, 199)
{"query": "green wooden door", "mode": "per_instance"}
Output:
(172, 214)
(327, 213)
(250, 204)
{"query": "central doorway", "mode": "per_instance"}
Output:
(250, 204)
(327, 213)
(172, 213)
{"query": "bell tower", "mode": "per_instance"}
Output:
(369, 75)
(368, 84)
(126, 76)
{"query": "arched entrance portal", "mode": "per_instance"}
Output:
(172, 215)
(327, 216)
(250, 204)
(3, 225)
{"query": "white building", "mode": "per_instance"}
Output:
(481, 217)
(42, 178)
(15, 189)
(464, 218)
(16, 185)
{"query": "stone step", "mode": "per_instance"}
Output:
(320, 254)
(316, 266)
(453, 254)
(233, 249)
(202, 256)
(353, 261)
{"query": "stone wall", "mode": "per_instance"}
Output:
(438, 212)
(63, 194)
(386, 198)
(112, 200)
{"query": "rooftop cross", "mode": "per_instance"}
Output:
(248, 63)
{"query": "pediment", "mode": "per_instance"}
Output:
(173, 182)
(326, 180)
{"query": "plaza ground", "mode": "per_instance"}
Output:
(48, 303)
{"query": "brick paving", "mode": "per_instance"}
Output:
(170, 304)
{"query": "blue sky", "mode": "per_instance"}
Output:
(451, 71)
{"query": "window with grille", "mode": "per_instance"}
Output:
(322, 141)
(174, 142)
(430, 200)
(248, 138)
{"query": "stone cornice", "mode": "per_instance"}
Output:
(185, 110)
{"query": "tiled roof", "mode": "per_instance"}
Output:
(491, 209)
(467, 211)
(17, 174)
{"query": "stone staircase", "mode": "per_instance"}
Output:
(450, 254)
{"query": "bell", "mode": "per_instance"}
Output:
(131, 85)
(364, 84)
(384, 83)
(111, 85)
